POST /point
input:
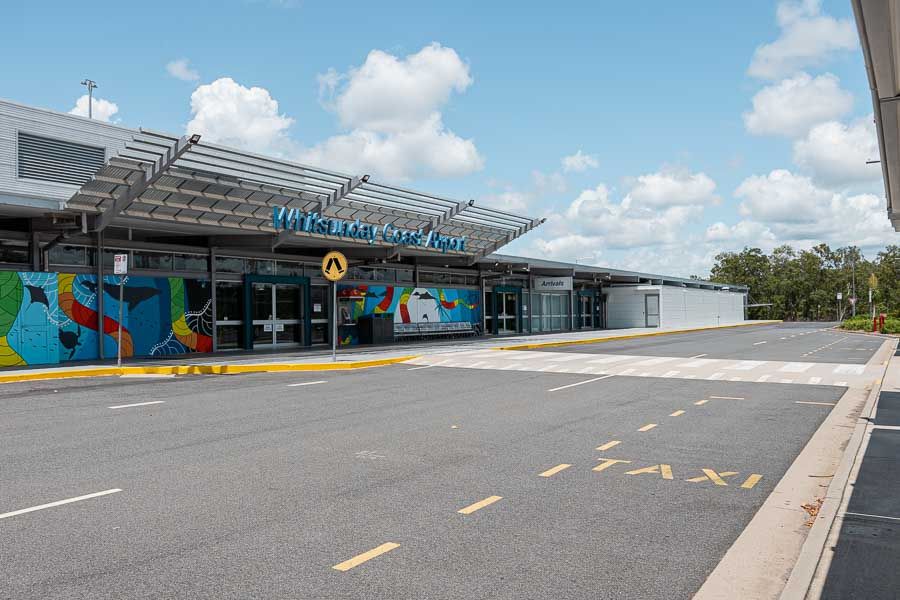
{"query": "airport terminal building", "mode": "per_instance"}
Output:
(225, 248)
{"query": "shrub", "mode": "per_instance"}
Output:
(864, 323)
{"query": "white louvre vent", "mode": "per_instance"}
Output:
(47, 159)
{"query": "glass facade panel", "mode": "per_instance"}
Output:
(229, 264)
(191, 262)
(404, 276)
(64, 254)
(289, 269)
(259, 266)
(229, 301)
(156, 261)
(228, 337)
(14, 254)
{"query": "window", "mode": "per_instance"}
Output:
(228, 264)
(404, 276)
(13, 254)
(259, 266)
(291, 269)
(57, 160)
(74, 256)
(155, 261)
(191, 262)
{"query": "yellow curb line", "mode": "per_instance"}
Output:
(204, 369)
(627, 337)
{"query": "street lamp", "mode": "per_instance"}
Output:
(90, 84)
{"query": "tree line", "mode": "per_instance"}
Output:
(803, 285)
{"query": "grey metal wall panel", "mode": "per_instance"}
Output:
(49, 124)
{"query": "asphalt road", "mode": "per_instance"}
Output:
(804, 342)
(245, 487)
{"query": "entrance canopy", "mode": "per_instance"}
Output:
(165, 179)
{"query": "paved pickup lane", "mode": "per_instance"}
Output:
(393, 482)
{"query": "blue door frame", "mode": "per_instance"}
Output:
(495, 325)
(305, 299)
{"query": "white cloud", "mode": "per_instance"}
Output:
(579, 162)
(392, 108)
(781, 196)
(103, 110)
(792, 106)
(226, 112)
(627, 223)
(836, 153)
(389, 94)
(427, 150)
(808, 38)
(674, 187)
(554, 182)
(510, 201)
(180, 69)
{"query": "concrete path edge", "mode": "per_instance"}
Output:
(804, 570)
(203, 369)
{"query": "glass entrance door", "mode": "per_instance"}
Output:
(651, 305)
(507, 312)
(586, 305)
(277, 310)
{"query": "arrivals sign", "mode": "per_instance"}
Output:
(292, 219)
(553, 284)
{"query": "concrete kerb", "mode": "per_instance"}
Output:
(202, 369)
(811, 553)
(628, 336)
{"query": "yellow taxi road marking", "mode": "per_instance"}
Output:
(677, 413)
(647, 427)
(563, 387)
(727, 398)
(554, 470)
(751, 481)
(711, 475)
(817, 403)
(664, 470)
(479, 505)
(701, 402)
(58, 503)
(365, 556)
(306, 383)
(139, 404)
(607, 463)
(609, 445)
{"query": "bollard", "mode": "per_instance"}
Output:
(881, 322)
(874, 324)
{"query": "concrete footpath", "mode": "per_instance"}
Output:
(320, 359)
(860, 557)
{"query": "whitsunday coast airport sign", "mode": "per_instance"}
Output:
(291, 219)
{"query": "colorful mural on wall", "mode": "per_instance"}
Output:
(408, 305)
(47, 318)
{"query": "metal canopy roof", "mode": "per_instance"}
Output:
(878, 22)
(158, 177)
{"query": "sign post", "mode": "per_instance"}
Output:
(120, 268)
(334, 267)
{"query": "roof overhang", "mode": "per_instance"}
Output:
(161, 180)
(878, 22)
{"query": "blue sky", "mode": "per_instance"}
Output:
(485, 100)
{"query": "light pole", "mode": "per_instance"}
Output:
(90, 84)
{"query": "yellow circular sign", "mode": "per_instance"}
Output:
(334, 266)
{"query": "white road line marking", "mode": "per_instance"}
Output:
(671, 373)
(656, 360)
(786, 381)
(814, 380)
(697, 363)
(816, 403)
(645, 374)
(758, 343)
(59, 503)
(795, 367)
(609, 359)
(735, 379)
(563, 387)
(850, 369)
(887, 427)
(715, 376)
(745, 365)
(139, 404)
(855, 514)
(566, 358)
(698, 356)
(840, 383)
(318, 382)
(627, 372)
(763, 378)
(728, 397)
(417, 368)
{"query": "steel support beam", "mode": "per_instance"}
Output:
(435, 223)
(146, 179)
